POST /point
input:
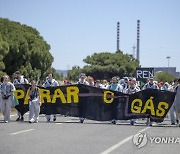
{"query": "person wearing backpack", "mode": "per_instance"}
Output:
(6, 89)
(34, 102)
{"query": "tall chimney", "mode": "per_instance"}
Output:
(118, 25)
(138, 39)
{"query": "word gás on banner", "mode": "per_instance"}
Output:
(151, 102)
(99, 104)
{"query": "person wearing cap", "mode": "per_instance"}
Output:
(50, 82)
(6, 90)
(91, 81)
(19, 79)
(150, 85)
(81, 104)
(131, 90)
(114, 86)
(82, 79)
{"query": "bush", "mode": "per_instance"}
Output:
(164, 77)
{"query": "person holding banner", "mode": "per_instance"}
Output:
(98, 84)
(6, 89)
(131, 90)
(114, 86)
(91, 81)
(81, 105)
(50, 82)
(150, 85)
(34, 102)
(82, 79)
(19, 79)
(104, 84)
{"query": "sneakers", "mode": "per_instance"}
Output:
(132, 122)
(177, 121)
(48, 120)
(81, 120)
(150, 124)
(31, 121)
(113, 122)
(18, 119)
(36, 121)
(6, 121)
(54, 119)
(22, 118)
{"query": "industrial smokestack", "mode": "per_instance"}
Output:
(118, 25)
(138, 39)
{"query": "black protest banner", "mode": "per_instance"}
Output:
(150, 103)
(98, 104)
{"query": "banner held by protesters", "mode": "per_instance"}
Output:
(99, 103)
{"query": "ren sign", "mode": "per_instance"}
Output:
(142, 74)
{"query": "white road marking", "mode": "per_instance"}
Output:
(109, 150)
(69, 121)
(23, 131)
(142, 130)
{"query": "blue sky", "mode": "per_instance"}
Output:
(78, 28)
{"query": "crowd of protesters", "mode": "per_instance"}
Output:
(126, 85)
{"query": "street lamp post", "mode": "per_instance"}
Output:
(168, 58)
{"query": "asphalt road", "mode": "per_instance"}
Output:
(68, 136)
